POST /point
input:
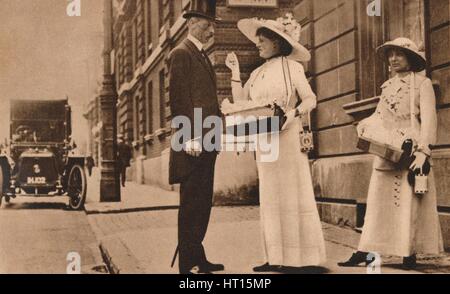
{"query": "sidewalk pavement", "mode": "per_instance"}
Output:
(134, 197)
(139, 235)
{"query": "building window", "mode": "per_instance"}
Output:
(134, 45)
(407, 19)
(149, 22)
(117, 71)
(185, 4)
(149, 108)
(402, 18)
(415, 22)
(179, 7)
(136, 118)
(161, 13)
(120, 60)
(162, 99)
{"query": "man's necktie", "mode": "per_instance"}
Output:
(208, 61)
(204, 54)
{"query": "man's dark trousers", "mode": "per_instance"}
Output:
(123, 175)
(196, 192)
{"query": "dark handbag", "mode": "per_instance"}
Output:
(425, 170)
(279, 112)
(408, 158)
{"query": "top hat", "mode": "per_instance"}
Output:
(202, 8)
(415, 56)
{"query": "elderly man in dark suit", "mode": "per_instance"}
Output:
(193, 86)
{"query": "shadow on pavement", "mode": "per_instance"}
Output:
(35, 205)
(314, 270)
(422, 267)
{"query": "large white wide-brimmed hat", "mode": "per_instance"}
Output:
(286, 27)
(415, 56)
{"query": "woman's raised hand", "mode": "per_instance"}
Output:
(232, 63)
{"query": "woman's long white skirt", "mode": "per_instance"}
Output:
(398, 222)
(290, 224)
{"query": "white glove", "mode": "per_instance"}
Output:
(193, 148)
(232, 63)
(419, 161)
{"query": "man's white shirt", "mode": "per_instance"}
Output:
(196, 42)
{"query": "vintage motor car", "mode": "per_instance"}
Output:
(41, 160)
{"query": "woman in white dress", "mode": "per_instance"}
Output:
(290, 225)
(398, 221)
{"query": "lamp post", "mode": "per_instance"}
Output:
(109, 181)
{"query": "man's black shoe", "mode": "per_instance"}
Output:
(212, 267)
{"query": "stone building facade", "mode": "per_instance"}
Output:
(344, 73)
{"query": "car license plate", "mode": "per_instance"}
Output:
(36, 180)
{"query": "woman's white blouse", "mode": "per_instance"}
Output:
(391, 121)
(269, 83)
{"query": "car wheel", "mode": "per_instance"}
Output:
(76, 188)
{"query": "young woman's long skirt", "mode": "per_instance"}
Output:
(397, 221)
(290, 224)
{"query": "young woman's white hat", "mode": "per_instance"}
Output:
(286, 27)
(415, 57)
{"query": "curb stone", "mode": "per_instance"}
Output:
(95, 209)
(118, 257)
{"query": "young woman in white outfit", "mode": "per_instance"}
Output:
(290, 226)
(399, 222)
